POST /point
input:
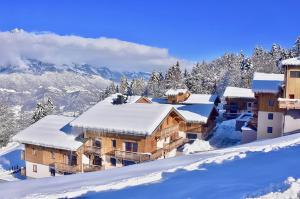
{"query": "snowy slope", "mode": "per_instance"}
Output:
(161, 171)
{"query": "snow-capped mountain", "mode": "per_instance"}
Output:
(38, 67)
(72, 88)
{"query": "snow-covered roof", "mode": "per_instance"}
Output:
(51, 131)
(158, 100)
(135, 119)
(130, 99)
(235, 92)
(172, 92)
(195, 113)
(267, 82)
(291, 62)
(200, 99)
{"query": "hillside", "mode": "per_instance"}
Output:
(236, 172)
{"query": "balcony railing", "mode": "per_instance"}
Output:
(285, 103)
(92, 149)
(168, 147)
(132, 156)
(167, 132)
(90, 168)
(61, 167)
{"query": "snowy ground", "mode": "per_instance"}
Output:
(249, 170)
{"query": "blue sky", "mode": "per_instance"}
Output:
(192, 29)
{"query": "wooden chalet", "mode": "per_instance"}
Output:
(238, 101)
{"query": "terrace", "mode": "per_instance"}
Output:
(285, 103)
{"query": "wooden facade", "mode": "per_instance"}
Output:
(56, 158)
(235, 106)
(180, 97)
(143, 100)
(268, 102)
(113, 144)
(291, 96)
(292, 84)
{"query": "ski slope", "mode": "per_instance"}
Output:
(155, 174)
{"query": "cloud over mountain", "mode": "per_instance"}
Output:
(18, 45)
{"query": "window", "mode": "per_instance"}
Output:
(131, 146)
(97, 161)
(295, 74)
(33, 151)
(97, 143)
(270, 116)
(292, 96)
(270, 129)
(52, 155)
(249, 104)
(191, 136)
(113, 161)
(34, 168)
(271, 102)
(114, 143)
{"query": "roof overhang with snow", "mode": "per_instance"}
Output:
(236, 92)
(139, 119)
(173, 92)
(291, 62)
(52, 131)
(201, 99)
(267, 82)
(196, 113)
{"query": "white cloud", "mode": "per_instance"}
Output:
(17, 45)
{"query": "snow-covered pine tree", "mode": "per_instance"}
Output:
(43, 109)
(111, 89)
(188, 80)
(297, 47)
(124, 85)
(174, 77)
(137, 87)
(7, 124)
(246, 71)
(155, 85)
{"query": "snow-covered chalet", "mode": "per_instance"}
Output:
(113, 134)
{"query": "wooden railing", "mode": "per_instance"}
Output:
(133, 156)
(167, 132)
(168, 147)
(61, 167)
(90, 168)
(289, 103)
(92, 149)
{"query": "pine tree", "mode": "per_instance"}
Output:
(137, 87)
(43, 109)
(7, 124)
(155, 85)
(174, 77)
(297, 47)
(124, 85)
(188, 80)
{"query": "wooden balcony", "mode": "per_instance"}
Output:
(168, 147)
(90, 168)
(285, 103)
(167, 132)
(175, 144)
(92, 149)
(132, 156)
(65, 168)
